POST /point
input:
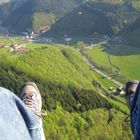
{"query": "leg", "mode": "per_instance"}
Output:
(17, 122)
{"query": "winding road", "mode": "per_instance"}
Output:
(90, 64)
(117, 69)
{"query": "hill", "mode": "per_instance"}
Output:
(62, 76)
(132, 34)
(66, 85)
(24, 17)
(96, 18)
(103, 17)
(7, 7)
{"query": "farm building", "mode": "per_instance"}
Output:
(2, 46)
(15, 48)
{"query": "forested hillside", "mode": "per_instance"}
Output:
(76, 108)
(97, 124)
(62, 76)
(102, 17)
(132, 34)
(96, 18)
(22, 18)
(7, 7)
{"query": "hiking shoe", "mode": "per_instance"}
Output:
(131, 87)
(130, 90)
(31, 97)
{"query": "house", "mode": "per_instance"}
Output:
(120, 91)
(15, 48)
(111, 88)
(116, 39)
(2, 46)
(20, 50)
(68, 39)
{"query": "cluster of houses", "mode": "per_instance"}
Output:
(18, 49)
(42, 40)
(119, 90)
(116, 39)
(14, 48)
(29, 34)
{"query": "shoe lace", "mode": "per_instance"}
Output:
(30, 100)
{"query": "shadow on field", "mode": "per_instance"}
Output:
(120, 50)
(69, 97)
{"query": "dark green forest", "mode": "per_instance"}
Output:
(99, 18)
(132, 34)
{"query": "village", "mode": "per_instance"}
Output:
(15, 48)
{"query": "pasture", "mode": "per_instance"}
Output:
(125, 57)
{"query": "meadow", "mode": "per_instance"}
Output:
(126, 58)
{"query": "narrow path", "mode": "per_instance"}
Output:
(117, 69)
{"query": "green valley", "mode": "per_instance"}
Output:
(80, 53)
(122, 56)
(68, 91)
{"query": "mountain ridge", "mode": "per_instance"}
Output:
(23, 19)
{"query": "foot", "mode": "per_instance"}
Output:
(31, 97)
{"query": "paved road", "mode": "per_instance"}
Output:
(89, 62)
(94, 45)
(101, 73)
(105, 43)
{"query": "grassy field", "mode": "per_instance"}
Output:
(32, 45)
(122, 56)
(66, 85)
